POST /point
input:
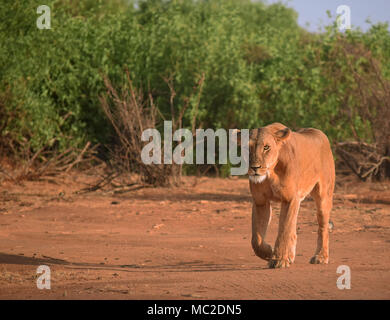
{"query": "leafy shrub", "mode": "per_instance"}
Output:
(259, 67)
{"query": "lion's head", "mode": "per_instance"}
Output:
(264, 146)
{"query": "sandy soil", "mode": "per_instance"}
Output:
(188, 243)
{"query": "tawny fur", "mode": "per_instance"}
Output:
(294, 165)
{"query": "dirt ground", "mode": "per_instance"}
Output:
(187, 243)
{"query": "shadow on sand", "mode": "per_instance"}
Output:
(185, 266)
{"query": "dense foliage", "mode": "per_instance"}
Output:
(259, 67)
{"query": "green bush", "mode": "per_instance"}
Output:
(259, 66)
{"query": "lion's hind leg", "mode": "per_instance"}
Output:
(323, 199)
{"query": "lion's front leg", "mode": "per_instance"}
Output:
(261, 217)
(284, 252)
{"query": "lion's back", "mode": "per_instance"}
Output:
(315, 152)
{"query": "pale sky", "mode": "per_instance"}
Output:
(314, 11)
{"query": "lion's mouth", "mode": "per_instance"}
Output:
(258, 173)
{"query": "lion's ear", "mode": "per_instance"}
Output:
(283, 134)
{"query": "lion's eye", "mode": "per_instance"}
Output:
(266, 147)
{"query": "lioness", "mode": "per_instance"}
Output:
(286, 166)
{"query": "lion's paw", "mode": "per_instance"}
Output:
(264, 251)
(319, 259)
(279, 263)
